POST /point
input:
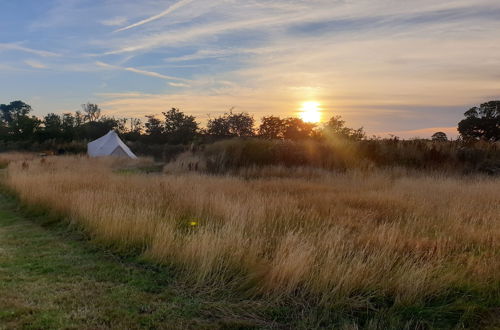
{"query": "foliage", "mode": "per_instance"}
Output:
(481, 123)
(92, 111)
(231, 125)
(178, 127)
(439, 137)
(167, 136)
(272, 128)
(335, 127)
(17, 124)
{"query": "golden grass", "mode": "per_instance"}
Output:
(336, 238)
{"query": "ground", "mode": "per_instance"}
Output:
(52, 277)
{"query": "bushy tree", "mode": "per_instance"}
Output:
(336, 127)
(52, 125)
(231, 125)
(272, 127)
(297, 129)
(481, 123)
(439, 137)
(17, 122)
(179, 127)
(154, 129)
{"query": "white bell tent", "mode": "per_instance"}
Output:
(109, 145)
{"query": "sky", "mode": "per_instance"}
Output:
(404, 67)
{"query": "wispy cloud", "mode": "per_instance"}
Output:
(142, 72)
(173, 84)
(385, 64)
(35, 64)
(115, 21)
(18, 47)
(169, 10)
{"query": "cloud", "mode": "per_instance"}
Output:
(115, 21)
(178, 84)
(35, 64)
(320, 16)
(169, 10)
(18, 47)
(139, 71)
(451, 132)
(385, 64)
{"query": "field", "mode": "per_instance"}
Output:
(373, 248)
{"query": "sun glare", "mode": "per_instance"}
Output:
(310, 112)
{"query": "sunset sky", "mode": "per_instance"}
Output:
(405, 67)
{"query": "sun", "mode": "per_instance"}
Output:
(310, 112)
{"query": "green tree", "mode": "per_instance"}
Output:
(481, 123)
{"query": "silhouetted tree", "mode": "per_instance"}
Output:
(68, 123)
(178, 127)
(231, 125)
(52, 127)
(439, 136)
(154, 129)
(272, 127)
(481, 123)
(297, 129)
(16, 120)
(336, 127)
(135, 130)
(92, 111)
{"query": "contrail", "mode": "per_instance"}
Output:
(143, 72)
(170, 9)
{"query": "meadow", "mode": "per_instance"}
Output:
(394, 247)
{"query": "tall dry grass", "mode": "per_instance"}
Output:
(342, 239)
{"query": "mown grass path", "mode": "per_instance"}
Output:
(53, 278)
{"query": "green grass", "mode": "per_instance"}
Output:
(53, 277)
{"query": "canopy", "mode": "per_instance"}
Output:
(109, 145)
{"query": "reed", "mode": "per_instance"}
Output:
(347, 238)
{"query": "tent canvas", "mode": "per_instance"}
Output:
(109, 145)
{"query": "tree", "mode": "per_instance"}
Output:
(134, 132)
(241, 124)
(92, 111)
(14, 109)
(439, 137)
(154, 129)
(94, 129)
(297, 129)
(481, 123)
(52, 126)
(272, 127)
(336, 127)
(219, 127)
(17, 122)
(178, 127)
(231, 125)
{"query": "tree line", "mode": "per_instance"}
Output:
(177, 128)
